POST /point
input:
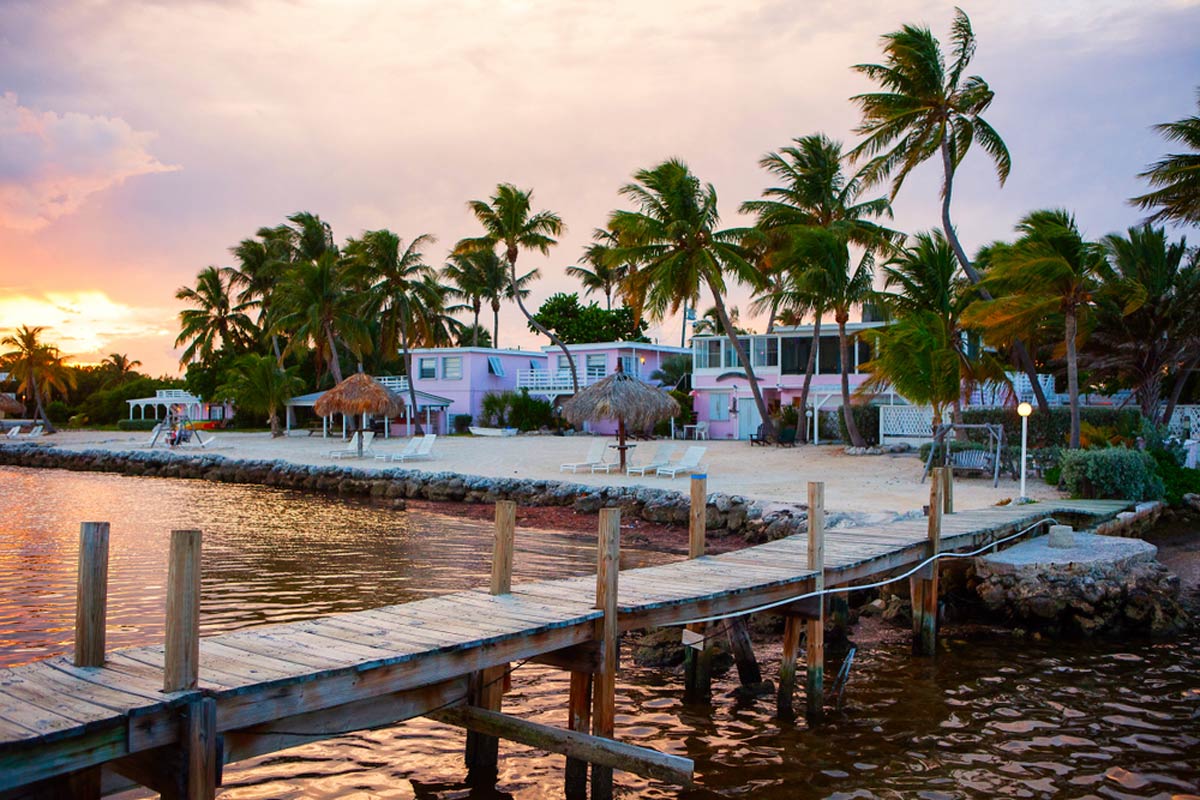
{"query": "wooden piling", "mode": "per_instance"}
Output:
(948, 490)
(181, 656)
(839, 613)
(198, 740)
(697, 664)
(792, 625)
(742, 648)
(91, 598)
(923, 585)
(604, 684)
(579, 719)
(502, 555)
(815, 655)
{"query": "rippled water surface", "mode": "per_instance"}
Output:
(990, 716)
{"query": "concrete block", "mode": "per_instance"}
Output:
(1061, 537)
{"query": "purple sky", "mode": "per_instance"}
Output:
(142, 139)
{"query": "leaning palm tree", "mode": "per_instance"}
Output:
(392, 272)
(929, 109)
(37, 368)
(217, 321)
(605, 274)
(1175, 179)
(318, 308)
(259, 385)
(681, 249)
(1049, 272)
(508, 220)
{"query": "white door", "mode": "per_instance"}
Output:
(748, 417)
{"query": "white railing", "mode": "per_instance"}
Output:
(395, 383)
(992, 395)
(903, 423)
(181, 395)
(540, 380)
(1185, 422)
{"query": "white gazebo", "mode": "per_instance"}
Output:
(166, 399)
(426, 402)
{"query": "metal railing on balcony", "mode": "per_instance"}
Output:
(540, 380)
(396, 383)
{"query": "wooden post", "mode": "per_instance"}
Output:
(697, 664)
(839, 612)
(488, 685)
(948, 490)
(815, 655)
(182, 647)
(604, 688)
(579, 719)
(792, 626)
(923, 585)
(91, 598)
(198, 743)
(743, 652)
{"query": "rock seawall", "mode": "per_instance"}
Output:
(733, 513)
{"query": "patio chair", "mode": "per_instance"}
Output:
(34, 433)
(757, 437)
(408, 450)
(350, 450)
(787, 438)
(661, 458)
(423, 451)
(595, 456)
(13, 432)
(701, 431)
(686, 466)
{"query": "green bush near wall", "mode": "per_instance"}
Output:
(1054, 429)
(462, 423)
(1177, 479)
(1111, 472)
(137, 424)
(866, 417)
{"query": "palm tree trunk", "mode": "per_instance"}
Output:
(408, 370)
(1073, 376)
(771, 316)
(273, 419)
(476, 306)
(1177, 389)
(808, 376)
(1018, 346)
(856, 438)
(496, 324)
(37, 399)
(744, 358)
(608, 306)
(335, 366)
(512, 265)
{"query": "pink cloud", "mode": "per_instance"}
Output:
(52, 162)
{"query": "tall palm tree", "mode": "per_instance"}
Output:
(393, 273)
(497, 286)
(468, 281)
(1147, 331)
(260, 385)
(508, 220)
(793, 294)
(681, 248)
(605, 274)
(119, 367)
(318, 308)
(1050, 272)
(262, 262)
(217, 320)
(37, 368)
(928, 108)
(1175, 178)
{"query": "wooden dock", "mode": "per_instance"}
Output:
(168, 717)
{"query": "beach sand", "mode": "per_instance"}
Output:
(884, 483)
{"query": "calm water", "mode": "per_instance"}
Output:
(988, 717)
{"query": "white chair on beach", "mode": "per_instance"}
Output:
(34, 433)
(595, 456)
(686, 466)
(13, 432)
(702, 430)
(661, 458)
(409, 449)
(424, 449)
(351, 448)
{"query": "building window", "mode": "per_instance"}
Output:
(427, 369)
(766, 351)
(564, 365)
(829, 358)
(452, 368)
(597, 365)
(629, 365)
(496, 367)
(731, 355)
(718, 406)
(714, 352)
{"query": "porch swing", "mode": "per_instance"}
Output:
(968, 460)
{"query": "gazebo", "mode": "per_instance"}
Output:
(620, 396)
(426, 402)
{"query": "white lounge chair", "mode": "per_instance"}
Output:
(351, 449)
(424, 449)
(408, 450)
(13, 432)
(661, 458)
(595, 456)
(34, 433)
(687, 465)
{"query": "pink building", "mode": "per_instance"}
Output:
(464, 375)
(721, 391)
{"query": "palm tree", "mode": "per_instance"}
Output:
(217, 321)
(1049, 273)
(318, 309)
(794, 294)
(393, 273)
(467, 279)
(928, 108)
(260, 385)
(37, 368)
(709, 323)
(119, 367)
(681, 248)
(473, 336)
(605, 275)
(497, 286)
(261, 263)
(1147, 330)
(673, 370)
(508, 220)
(1175, 179)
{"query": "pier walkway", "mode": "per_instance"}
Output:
(83, 731)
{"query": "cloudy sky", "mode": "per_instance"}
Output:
(139, 140)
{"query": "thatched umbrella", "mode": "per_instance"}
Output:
(622, 397)
(357, 395)
(11, 405)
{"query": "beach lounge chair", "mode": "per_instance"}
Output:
(351, 448)
(35, 432)
(424, 449)
(661, 458)
(686, 466)
(13, 432)
(408, 450)
(595, 456)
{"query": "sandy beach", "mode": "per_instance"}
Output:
(884, 483)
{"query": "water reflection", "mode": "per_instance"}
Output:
(988, 717)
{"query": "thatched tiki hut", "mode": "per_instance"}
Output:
(11, 405)
(357, 395)
(624, 398)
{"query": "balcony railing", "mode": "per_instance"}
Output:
(396, 383)
(540, 380)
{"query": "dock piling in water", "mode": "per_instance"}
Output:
(697, 664)
(91, 599)
(923, 586)
(815, 645)
(181, 658)
(608, 565)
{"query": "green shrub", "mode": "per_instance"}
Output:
(789, 417)
(1054, 429)
(137, 424)
(59, 412)
(530, 413)
(1177, 479)
(495, 408)
(1111, 472)
(462, 423)
(866, 417)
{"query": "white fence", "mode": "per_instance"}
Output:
(910, 424)
(1185, 422)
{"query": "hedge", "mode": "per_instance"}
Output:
(137, 424)
(866, 417)
(1054, 429)
(1111, 472)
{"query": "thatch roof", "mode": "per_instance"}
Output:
(620, 396)
(359, 394)
(11, 405)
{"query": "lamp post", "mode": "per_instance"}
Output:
(1024, 410)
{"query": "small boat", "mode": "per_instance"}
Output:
(493, 431)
